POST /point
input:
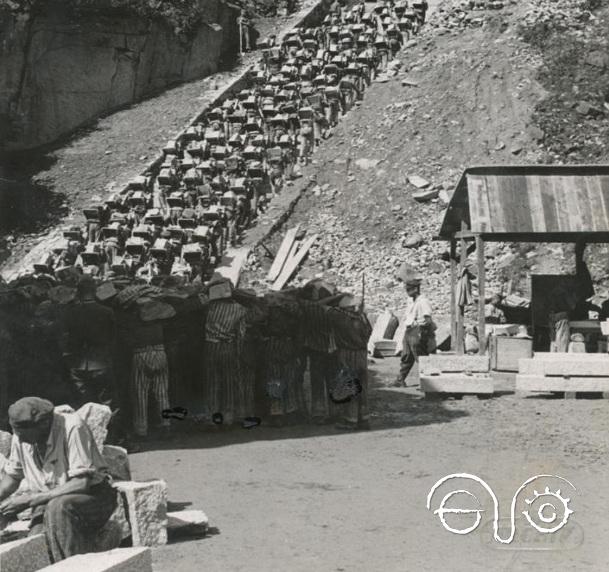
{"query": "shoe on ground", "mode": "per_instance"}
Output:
(399, 382)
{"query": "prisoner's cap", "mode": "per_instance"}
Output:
(29, 412)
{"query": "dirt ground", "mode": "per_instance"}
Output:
(312, 498)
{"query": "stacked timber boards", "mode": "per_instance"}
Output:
(451, 373)
(568, 372)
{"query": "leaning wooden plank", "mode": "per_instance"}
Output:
(292, 264)
(283, 253)
(578, 364)
(544, 383)
(455, 383)
(439, 363)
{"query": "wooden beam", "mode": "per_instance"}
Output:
(468, 235)
(481, 289)
(576, 366)
(283, 253)
(544, 383)
(292, 264)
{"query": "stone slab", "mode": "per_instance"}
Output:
(97, 417)
(15, 528)
(118, 462)
(576, 364)
(452, 363)
(118, 560)
(24, 555)
(385, 327)
(555, 383)
(146, 504)
(454, 383)
(187, 518)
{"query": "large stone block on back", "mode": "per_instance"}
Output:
(146, 507)
(24, 555)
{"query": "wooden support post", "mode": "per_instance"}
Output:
(481, 296)
(453, 295)
(460, 309)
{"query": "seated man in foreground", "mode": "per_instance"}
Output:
(71, 495)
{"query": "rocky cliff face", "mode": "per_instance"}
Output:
(59, 70)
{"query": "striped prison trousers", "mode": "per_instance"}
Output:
(283, 364)
(356, 409)
(222, 378)
(150, 371)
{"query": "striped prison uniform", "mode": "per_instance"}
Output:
(353, 331)
(225, 391)
(283, 364)
(320, 350)
(150, 372)
(283, 358)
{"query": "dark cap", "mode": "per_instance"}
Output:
(29, 412)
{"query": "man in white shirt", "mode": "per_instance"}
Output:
(71, 492)
(419, 337)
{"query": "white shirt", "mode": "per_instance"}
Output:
(71, 452)
(416, 312)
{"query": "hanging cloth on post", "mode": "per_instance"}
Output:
(464, 289)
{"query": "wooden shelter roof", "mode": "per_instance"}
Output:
(531, 203)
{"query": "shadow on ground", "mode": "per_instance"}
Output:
(27, 205)
(390, 408)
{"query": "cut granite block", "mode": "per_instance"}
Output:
(25, 555)
(117, 560)
(146, 511)
(97, 417)
(118, 462)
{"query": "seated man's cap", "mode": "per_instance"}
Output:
(29, 411)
